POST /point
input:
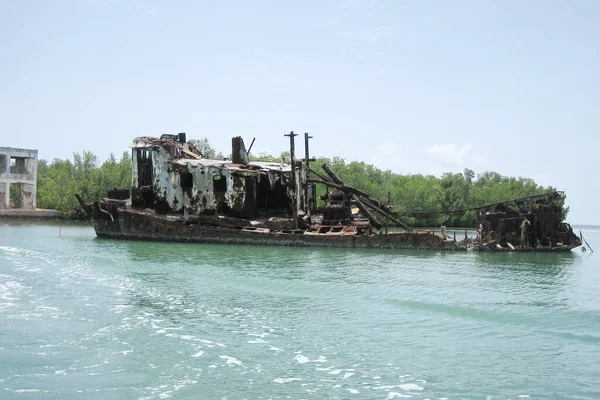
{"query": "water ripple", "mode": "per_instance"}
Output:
(87, 318)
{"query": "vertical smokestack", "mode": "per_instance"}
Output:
(239, 155)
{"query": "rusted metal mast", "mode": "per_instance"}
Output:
(294, 181)
(309, 192)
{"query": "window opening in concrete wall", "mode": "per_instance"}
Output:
(220, 183)
(2, 163)
(15, 195)
(17, 165)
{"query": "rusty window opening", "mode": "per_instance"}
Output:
(271, 197)
(220, 183)
(186, 180)
(144, 161)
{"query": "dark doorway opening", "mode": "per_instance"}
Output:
(144, 163)
(271, 197)
(16, 195)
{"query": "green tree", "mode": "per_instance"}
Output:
(206, 149)
(60, 180)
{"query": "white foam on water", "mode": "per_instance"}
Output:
(336, 372)
(410, 386)
(10, 289)
(47, 308)
(231, 360)
(261, 335)
(353, 391)
(257, 341)
(286, 380)
(198, 354)
(24, 390)
(19, 252)
(205, 341)
(385, 387)
(393, 395)
(60, 372)
(275, 349)
(6, 305)
(348, 375)
(524, 396)
(303, 359)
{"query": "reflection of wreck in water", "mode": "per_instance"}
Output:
(178, 195)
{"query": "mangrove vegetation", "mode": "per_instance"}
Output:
(59, 180)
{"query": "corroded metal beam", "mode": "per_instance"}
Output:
(372, 219)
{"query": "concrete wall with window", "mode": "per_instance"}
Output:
(18, 174)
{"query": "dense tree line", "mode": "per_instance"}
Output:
(59, 180)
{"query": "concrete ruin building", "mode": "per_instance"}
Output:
(18, 178)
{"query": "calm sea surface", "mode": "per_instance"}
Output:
(85, 318)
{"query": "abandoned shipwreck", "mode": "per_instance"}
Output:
(178, 195)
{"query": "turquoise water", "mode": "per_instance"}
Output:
(85, 318)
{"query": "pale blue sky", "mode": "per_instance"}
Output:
(411, 86)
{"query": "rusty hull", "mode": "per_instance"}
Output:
(132, 224)
(146, 225)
